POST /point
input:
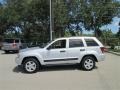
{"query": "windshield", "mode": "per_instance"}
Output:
(44, 44)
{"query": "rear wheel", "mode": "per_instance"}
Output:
(16, 51)
(31, 65)
(88, 63)
(6, 51)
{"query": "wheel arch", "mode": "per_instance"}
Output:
(31, 57)
(92, 55)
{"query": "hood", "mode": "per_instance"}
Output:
(29, 49)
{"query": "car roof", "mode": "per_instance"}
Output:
(77, 37)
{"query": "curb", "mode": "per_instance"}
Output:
(114, 53)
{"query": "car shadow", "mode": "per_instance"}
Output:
(19, 69)
(60, 68)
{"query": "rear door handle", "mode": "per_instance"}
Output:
(62, 51)
(82, 49)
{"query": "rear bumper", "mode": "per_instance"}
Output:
(101, 57)
(9, 49)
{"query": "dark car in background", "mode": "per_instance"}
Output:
(0, 45)
(13, 44)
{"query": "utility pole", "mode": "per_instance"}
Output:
(51, 34)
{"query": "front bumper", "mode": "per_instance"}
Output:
(10, 48)
(18, 61)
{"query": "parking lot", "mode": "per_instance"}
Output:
(106, 76)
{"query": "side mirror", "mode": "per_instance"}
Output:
(48, 48)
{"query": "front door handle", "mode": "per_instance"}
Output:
(82, 49)
(62, 51)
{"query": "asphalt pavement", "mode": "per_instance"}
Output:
(105, 76)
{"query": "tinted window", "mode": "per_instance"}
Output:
(16, 40)
(58, 44)
(75, 43)
(22, 41)
(11, 40)
(91, 42)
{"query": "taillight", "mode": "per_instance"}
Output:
(14, 44)
(102, 49)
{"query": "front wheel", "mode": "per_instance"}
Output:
(31, 65)
(88, 63)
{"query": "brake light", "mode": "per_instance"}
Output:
(102, 49)
(14, 44)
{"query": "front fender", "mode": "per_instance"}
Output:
(38, 56)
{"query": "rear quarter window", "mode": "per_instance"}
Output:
(22, 41)
(91, 42)
(16, 40)
(75, 43)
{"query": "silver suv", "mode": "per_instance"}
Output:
(14, 44)
(85, 51)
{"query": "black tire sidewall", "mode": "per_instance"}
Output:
(83, 61)
(6, 51)
(35, 61)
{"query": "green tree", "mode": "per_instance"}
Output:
(96, 13)
(10, 16)
(106, 36)
(36, 21)
(118, 33)
(74, 24)
(30, 16)
(60, 17)
(2, 20)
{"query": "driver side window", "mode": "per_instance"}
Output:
(58, 44)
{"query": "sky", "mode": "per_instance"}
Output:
(113, 26)
(1, 0)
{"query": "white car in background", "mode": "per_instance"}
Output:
(85, 51)
(13, 44)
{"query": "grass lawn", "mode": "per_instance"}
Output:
(115, 50)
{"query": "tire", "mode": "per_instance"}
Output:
(31, 65)
(88, 63)
(15, 51)
(6, 51)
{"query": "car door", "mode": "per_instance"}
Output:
(76, 50)
(56, 53)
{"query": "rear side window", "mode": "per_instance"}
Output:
(16, 40)
(75, 43)
(22, 41)
(91, 42)
(11, 40)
